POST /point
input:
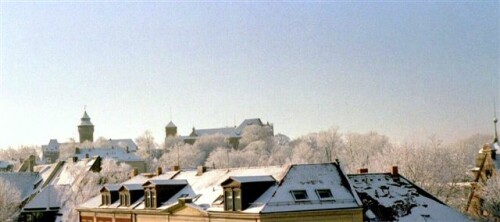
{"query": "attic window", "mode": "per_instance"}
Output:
(183, 195)
(300, 195)
(324, 194)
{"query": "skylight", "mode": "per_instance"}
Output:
(300, 195)
(324, 194)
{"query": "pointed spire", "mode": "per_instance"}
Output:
(85, 119)
(495, 120)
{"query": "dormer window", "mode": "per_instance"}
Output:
(324, 194)
(106, 198)
(299, 195)
(241, 191)
(124, 199)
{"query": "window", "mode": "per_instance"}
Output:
(300, 195)
(183, 195)
(228, 202)
(106, 199)
(237, 199)
(153, 199)
(324, 194)
(148, 198)
(232, 199)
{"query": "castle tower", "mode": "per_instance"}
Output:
(170, 129)
(86, 129)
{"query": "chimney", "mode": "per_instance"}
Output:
(363, 170)
(200, 170)
(133, 173)
(175, 168)
(77, 150)
(394, 171)
(127, 150)
(75, 159)
(86, 155)
(32, 163)
(158, 171)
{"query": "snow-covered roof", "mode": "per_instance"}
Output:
(65, 177)
(400, 200)
(228, 131)
(26, 182)
(4, 164)
(48, 198)
(248, 122)
(166, 182)
(311, 178)
(111, 187)
(112, 153)
(206, 188)
(53, 146)
(251, 179)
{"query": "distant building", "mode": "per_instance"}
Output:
(392, 197)
(487, 166)
(233, 134)
(6, 166)
(305, 192)
(122, 150)
(86, 129)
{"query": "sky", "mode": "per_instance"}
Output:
(407, 70)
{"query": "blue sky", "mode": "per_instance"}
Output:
(407, 70)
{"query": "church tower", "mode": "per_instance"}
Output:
(170, 129)
(86, 129)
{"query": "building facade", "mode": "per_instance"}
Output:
(307, 192)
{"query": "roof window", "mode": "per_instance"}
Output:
(300, 195)
(324, 194)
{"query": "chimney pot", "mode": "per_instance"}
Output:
(200, 170)
(133, 173)
(394, 171)
(363, 170)
(175, 168)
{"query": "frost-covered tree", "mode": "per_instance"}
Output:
(255, 133)
(86, 184)
(67, 150)
(147, 148)
(10, 200)
(113, 172)
(491, 196)
(184, 156)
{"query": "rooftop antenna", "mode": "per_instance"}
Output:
(495, 120)
(170, 113)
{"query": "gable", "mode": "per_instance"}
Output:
(187, 210)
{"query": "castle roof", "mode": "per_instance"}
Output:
(86, 120)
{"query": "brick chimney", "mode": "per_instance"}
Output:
(158, 171)
(200, 170)
(175, 168)
(362, 170)
(394, 171)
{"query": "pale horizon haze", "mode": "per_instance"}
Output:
(406, 70)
